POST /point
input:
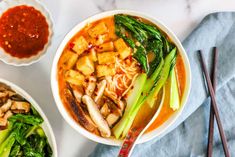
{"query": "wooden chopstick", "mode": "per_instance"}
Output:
(214, 104)
(211, 121)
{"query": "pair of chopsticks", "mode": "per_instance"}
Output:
(213, 109)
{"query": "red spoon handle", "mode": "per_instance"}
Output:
(129, 141)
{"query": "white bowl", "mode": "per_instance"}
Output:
(7, 58)
(45, 125)
(110, 141)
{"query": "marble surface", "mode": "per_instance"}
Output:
(181, 16)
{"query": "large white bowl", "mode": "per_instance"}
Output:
(45, 125)
(73, 123)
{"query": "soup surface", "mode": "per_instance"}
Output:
(110, 70)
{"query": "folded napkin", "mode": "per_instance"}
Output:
(190, 137)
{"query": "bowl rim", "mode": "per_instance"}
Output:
(55, 89)
(46, 124)
(36, 4)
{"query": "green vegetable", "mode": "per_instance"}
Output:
(24, 137)
(28, 119)
(4, 133)
(167, 46)
(167, 67)
(144, 39)
(141, 57)
(120, 31)
(152, 30)
(149, 40)
(149, 84)
(15, 151)
(34, 111)
(19, 131)
(152, 94)
(40, 132)
(132, 99)
(155, 47)
(136, 31)
(174, 96)
(5, 147)
(31, 130)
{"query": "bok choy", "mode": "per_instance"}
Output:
(144, 38)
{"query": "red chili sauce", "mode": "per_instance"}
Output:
(24, 31)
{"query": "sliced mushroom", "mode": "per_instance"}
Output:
(90, 85)
(112, 106)
(112, 118)
(5, 107)
(96, 116)
(105, 110)
(3, 94)
(100, 90)
(83, 118)
(118, 102)
(78, 93)
(3, 122)
(8, 114)
(20, 107)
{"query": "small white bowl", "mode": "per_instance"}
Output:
(45, 125)
(111, 141)
(7, 58)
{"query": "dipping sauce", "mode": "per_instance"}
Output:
(24, 31)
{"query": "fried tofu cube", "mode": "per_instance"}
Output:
(69, 59)
(105, 70)
(92, 55)
(98, 29)
(99, 40)
(122, 48)
(105, 47)
(85, 65)
(80, 45)
(125, 53)
(74, 77)
(106, 57)
(120, 44)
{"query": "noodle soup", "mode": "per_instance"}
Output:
(113, 71)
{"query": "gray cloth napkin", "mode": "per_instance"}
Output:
(190, 136)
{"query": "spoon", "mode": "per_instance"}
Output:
(140, 125)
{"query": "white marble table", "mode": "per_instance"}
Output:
(182, 16)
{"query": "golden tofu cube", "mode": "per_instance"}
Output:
(105, 70)
(92, 55)
(74, 77)
(80, 45)
(69, 59)
(98, 29)
(105, 47)
(122, 48)
(99, 40)
(106, 57)
(120, 44)
(125, 53)
(85, 65)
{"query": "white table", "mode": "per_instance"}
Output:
(181, 16)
